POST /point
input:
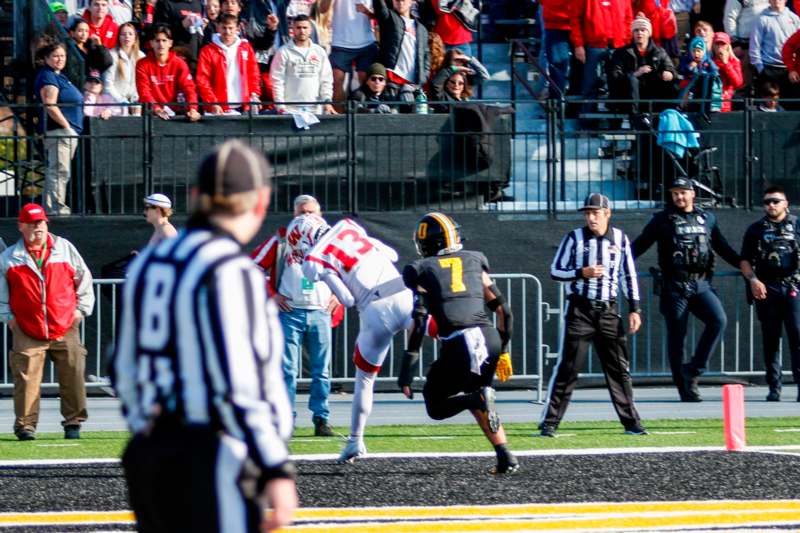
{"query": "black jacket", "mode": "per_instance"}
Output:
(660, 231)
(392, 32)
(627, 59)
(369, 102)
(172, 13)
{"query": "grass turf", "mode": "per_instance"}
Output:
(444, 438)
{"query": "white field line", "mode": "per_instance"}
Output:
(787, 430)
(423, 455)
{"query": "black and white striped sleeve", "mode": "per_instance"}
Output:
(564, 266)
(629, 277)
(124, 372)
(244, 349)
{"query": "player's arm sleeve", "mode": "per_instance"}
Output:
(411, 276)
(243, 348)
(563, 267)
(630, 278)
(338, 288)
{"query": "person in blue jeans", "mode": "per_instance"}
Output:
(305, 314)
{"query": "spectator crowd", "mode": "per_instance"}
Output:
(702, 55)
(195, 57)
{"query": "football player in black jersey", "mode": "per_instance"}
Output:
(453, 286)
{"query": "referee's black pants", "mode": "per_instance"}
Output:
(586, 324)
(190, 479)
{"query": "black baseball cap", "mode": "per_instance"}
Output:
(233, 167)
(681, 183)
(595, 201)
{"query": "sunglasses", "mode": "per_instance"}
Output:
(772, 201)
(377, 78)
(455, 82)
(148, 206)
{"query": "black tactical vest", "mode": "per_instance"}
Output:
(691, 243)
(778, 249)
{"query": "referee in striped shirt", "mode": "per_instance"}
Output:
(197, 367)
(592, 260)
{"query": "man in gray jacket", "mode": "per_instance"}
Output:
(770, 32)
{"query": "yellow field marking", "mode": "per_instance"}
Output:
(743, 518)
(461, 511)
(80, 517)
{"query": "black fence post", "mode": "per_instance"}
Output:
(147, 148)
(350, 131)
(550, 113)
(748, 154)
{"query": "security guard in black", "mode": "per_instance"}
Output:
(687, 238)
(771, 264)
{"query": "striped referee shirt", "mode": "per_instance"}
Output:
(200, 341)
(581, 248)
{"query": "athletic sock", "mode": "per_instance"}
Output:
(362, 403)
(501, 451)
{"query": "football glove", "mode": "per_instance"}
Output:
(504, 369)
(406, 374)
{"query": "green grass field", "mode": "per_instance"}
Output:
(446, 438)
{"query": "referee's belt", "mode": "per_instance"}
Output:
(598, 305)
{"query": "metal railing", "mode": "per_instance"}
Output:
(538, 326)
(736, 354)
(523, 291)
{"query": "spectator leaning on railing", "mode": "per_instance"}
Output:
(227, 70)
(45, 291)
(770, 32)
(120, 78)
(163, 78)
(96, 103)
(301, 72)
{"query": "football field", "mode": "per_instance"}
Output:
(434, 476)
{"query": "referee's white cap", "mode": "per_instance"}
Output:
(159, 200)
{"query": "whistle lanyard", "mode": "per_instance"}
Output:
(40, 260)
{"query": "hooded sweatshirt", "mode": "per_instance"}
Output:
(228, 73)
(704, 66)
(770, 33)
(301, 75)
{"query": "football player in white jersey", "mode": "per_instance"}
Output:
(360, 271)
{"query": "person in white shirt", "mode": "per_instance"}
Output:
(119, 80)
(301, 72)
(353, 43)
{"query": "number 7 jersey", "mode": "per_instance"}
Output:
(365, 265)
(454, 287)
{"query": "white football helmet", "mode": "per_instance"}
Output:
(303, 233)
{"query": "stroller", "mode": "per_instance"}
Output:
(681, 155)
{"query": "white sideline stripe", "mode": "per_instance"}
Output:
(425, 455)
(787, 430)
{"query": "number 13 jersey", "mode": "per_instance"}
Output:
(454, 287)
(365, 265)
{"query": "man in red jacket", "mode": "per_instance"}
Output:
(557, 26)
(45, 292)
(598, 28)
(163, 78)
(101, 23)
(227, 70)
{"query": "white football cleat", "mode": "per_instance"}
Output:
(352, 450)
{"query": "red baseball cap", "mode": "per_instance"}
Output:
(722, 37)
(31, 213)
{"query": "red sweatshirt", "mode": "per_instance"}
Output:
(598, 23)
(449, 27)
(107, 30)
(791, 53)
(731, 75)
(556, 14)
(161, 84)
(211, 73)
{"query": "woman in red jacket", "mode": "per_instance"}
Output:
(730, 68)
